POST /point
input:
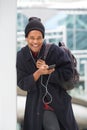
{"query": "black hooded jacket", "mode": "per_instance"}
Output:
(61, 101)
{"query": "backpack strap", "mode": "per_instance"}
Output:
(47, 47)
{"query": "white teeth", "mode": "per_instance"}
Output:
(35, 45)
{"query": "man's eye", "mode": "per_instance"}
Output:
(31, 38)
(39, 38)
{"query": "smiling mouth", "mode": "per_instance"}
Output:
(35, 46)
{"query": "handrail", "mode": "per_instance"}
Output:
(79, 101)
(74, 100)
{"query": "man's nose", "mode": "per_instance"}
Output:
(35, 40)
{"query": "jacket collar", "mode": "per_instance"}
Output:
(27, 55)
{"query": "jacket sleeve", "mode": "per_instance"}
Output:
(24, 80)
(64, 66)
(63, 71)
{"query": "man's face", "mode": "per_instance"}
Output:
(35, 40)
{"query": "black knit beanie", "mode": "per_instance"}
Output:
(34, 24)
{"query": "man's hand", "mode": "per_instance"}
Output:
(42, 69)
(39, 63)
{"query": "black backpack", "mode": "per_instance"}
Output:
(71, 83)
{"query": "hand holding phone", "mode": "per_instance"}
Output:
(51, 66)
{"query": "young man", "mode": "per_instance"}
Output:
(48, 105)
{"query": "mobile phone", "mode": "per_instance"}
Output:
(51, 66)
